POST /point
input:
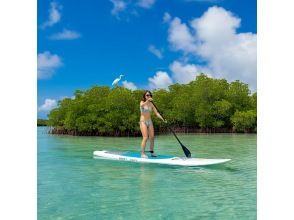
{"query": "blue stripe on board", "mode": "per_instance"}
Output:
(138, 155)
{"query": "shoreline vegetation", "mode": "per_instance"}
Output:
(42, 122)
(205, 105)
(118, 133)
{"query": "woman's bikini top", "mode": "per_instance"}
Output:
(145, 108)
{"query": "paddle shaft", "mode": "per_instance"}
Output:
(175, 135)
(185, 149)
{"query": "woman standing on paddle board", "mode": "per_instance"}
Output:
(146, 125)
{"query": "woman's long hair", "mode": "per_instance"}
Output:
(144, 95)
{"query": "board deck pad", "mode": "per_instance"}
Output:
(138, 155)
(160, 159)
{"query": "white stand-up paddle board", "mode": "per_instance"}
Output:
(160, 159)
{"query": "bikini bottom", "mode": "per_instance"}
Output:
(147, 122)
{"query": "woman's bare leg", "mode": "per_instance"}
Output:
(151, 137)
(144, 131)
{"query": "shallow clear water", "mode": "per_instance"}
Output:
(73, 185)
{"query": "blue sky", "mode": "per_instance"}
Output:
(154, 43)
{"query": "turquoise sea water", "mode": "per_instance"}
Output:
(73, 185)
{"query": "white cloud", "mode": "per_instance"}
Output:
(216, 26)
(160, 80)
(48, 105)
(54, 15)
(180, 37)
(146, 3)
(185, 73)
(213, 38)
(155, 51)
(47, 64)
(166, 17)
(65, 35)
(118, 6)
(130, 7)
(129, 85)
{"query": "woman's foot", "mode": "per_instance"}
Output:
(153, 155)
(143, 155)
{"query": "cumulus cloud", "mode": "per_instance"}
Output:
(146, 3)
(160, 80)
(48, 105)
(129, 85)
(180, 37)
(65, 35)
(184, 73)
(54, 15)
(213, 38)
(47, 64)
(155, 51)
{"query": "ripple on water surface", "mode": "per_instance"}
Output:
(73, 185)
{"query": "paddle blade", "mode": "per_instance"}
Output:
(186, 151)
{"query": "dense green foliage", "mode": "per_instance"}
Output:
(244, 121)
(42, 122)
(205, 103)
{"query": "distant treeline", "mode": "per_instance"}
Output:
(42, 122)
(204, 105)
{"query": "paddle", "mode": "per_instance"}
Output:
(186, 151)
